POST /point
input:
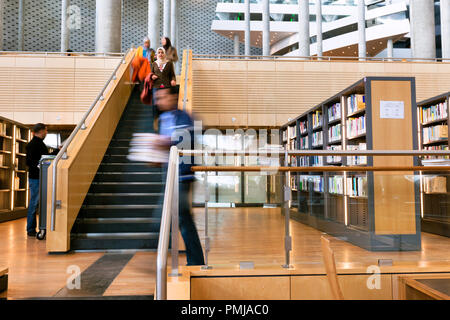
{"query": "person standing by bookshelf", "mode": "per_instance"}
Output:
(36, 148)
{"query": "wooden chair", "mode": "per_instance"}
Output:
(330, 267)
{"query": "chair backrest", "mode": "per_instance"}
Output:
(330, 267)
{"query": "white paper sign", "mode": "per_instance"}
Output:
(392, 109)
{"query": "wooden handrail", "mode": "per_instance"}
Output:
(317, 169)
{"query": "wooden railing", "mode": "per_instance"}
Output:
(185, 96)
(84, 155)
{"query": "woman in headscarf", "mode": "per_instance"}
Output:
(171, 52)
(163, 71)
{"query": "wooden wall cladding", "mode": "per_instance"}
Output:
(271, 92)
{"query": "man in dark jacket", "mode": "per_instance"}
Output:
(36, 148)
(176, 125)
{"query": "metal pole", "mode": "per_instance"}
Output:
(175, 218)
(319, 28)
(247, 27)
(65, 33)
(287, 198)
(362, 30)
(206, 266)
(20, 27)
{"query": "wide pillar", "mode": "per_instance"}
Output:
(390, 49)
(1, 25)
(173, 22)
(153, 23)
(362, 49)
(266, 27)
(236, 44)
(303, 31)
(166, 22)
(20, 45)
(424, 34)
(319, 28)
(65, 32)
(108, 29)
(445, 28)
(247, 27)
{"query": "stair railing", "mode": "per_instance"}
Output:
(169, 216)
(62, 154)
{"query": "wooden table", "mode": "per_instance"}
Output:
(3, 282)
(430, 287)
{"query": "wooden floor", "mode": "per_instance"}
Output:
(238, 234)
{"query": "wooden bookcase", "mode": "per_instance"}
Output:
(289, 134)
(13, 169)
(433, 117)
(379, 211)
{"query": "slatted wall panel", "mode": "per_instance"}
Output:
(54, 90)
(268, 93)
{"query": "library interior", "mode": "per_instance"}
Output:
(224, 150)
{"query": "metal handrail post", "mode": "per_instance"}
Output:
(207, 244)
(287, 198)
(81, 126)
(175, 218)
(164, 234)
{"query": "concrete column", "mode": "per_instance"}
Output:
(390, 49)
(108, 26)
(445, 28)
(247, 27)
(303, 31)
(266, 27)
(319, 28)
(173, 22)
(362, 50)
(167, 13)
(20, 46)
(1, 25)
(153, 23)
(424, 37)
(236, 44)
(65, 32)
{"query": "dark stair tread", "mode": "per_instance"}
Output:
(118, 235)
(118, 220)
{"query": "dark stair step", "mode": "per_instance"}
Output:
(117, 225)
(128, 177)
(122, 198)
(98, 211)
(145, 187)
(127, 167)
(102, 241)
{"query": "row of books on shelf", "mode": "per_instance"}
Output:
(304, 142)
(356, 126)
(303, 126)
(357, 186)
(334, 112)
(303, 183)
(336, 185)
(292, 132)
(334, 159)
(434, 184)
(335, 133)
(357, 160)
(317, 119)
(3, 127)
(317, 139)
(303, 161)
(317, 161)
(294, 162)
(293, 183)
(432, 113)
(435, 133)
(284, 135)
(356, 102)
(441, 147)
(292, 145)
(317, 182)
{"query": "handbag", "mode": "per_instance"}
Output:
(146, 94)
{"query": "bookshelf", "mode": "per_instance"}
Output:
(378, 211)
(433, 132)
(13, 170)
(290, 134)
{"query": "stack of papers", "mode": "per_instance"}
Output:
(436, 162)
(145, 147)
